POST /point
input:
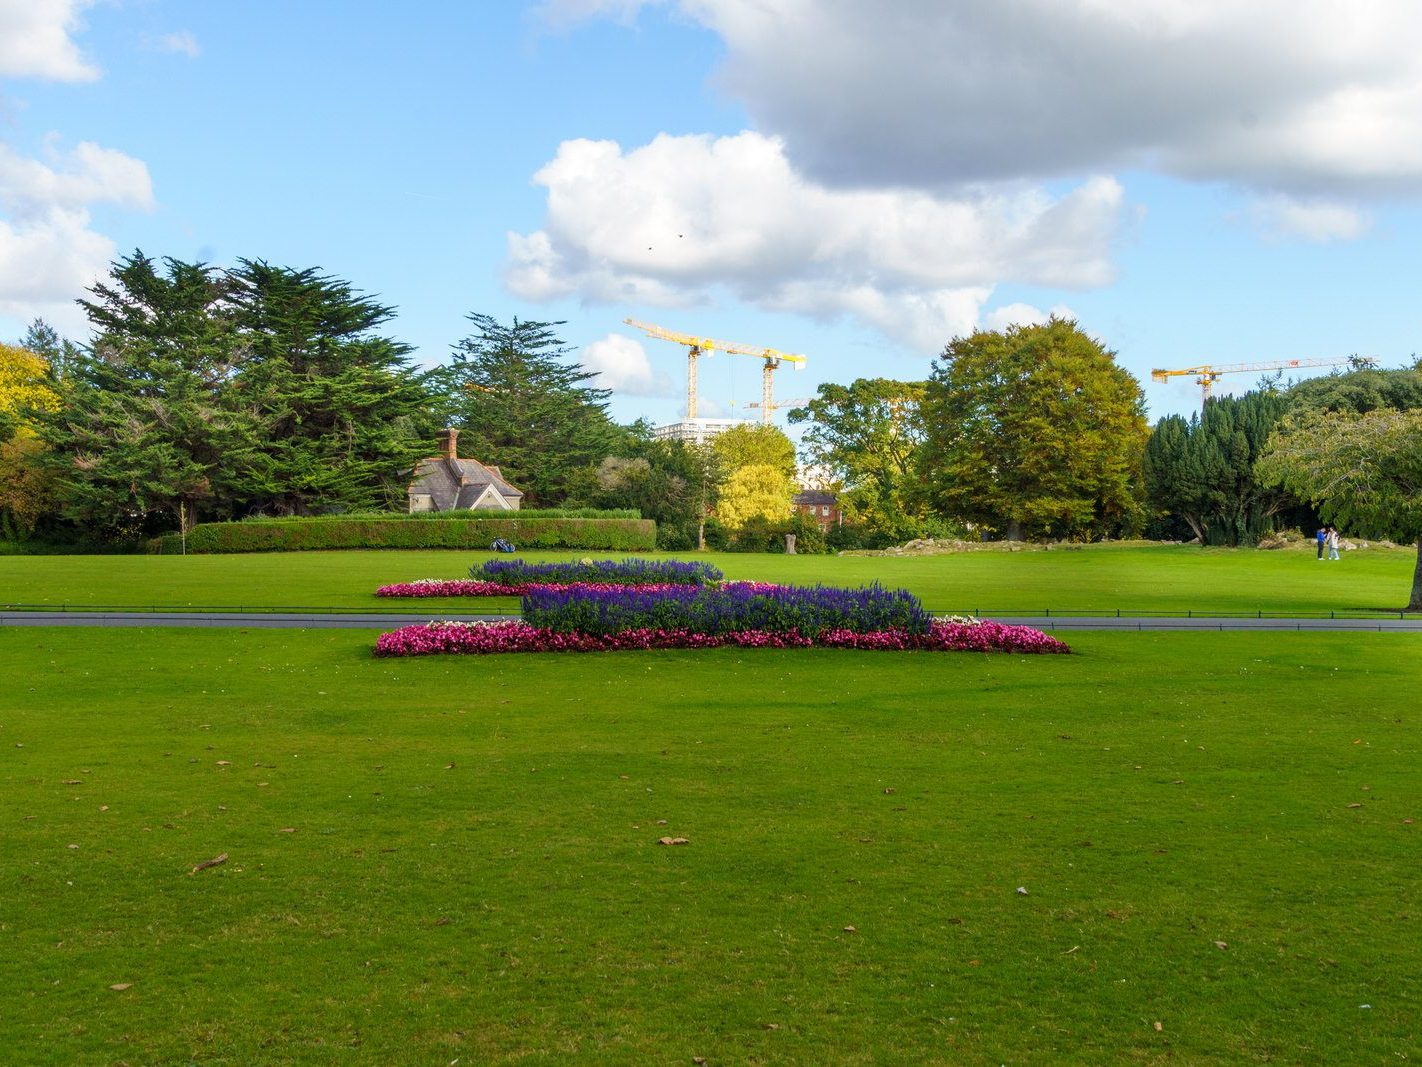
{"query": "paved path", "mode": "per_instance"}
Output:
(1176, 623)
(291, 620)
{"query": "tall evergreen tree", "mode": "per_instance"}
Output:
(146, 429)
(1202, 471)
(521, 405)
(344, 417)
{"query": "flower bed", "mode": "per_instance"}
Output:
(448, 587)
(724, 609)
(482, 638)
(516, 572)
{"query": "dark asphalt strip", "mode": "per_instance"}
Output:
(385, 621)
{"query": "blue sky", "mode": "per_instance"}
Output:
(1194, 182)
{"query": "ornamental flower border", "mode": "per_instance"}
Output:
(422, 588)
(485, 638)
(629, 571)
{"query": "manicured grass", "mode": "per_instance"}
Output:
(1095, 578)
(473, 871)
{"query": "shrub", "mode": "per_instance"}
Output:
(726, 609)
(518, 572)
(290, 535)
(482, 515)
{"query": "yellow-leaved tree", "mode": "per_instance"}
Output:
(758, 490)
(24, 388)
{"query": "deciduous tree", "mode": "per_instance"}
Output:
(867, 435)
(1035, 431)
(757, 490)
(1363, 471)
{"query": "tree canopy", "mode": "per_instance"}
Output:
(343, 416)
(867, 435)
(1359, 391)
(1201, 470)
(260, 389)
(1363, 471)
(749, 444)
(1034, 431)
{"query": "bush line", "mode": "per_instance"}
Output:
(296, 535)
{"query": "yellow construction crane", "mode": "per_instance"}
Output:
(705, 346)
(798, 402)
(1206, 373)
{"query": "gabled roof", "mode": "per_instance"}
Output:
(815, 496)
(457, 483)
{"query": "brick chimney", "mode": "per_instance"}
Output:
(447, 443)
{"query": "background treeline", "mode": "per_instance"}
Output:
(264, 391)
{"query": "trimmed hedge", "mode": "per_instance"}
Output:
(479, 515)
(294, 535)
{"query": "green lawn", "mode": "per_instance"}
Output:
(472, 870)
(1095, 578)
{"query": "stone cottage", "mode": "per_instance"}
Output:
(448, 483)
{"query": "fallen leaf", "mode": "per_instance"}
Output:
(698, 1059)
(103, 807)
(1355, 805)
(449, 766)
(71, 846)
(224, 763)
(770, 1026)
(1158, 1027)
(1221, 945)
(889, 791)
(1069, 951)
(287, 830)
(672, 841)
(119, 987)
(205, 864)
(1021, 890)
(73, 781)
(850, 930)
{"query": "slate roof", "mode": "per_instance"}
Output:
(815, 496)
(455, 484)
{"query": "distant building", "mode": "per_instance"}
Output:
(820, 505)
(448, 483)
(695, 431)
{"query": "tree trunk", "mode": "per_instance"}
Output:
(1415, 604)
(1014, 530)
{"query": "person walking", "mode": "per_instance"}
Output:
(1322, 536)
(1332, 543)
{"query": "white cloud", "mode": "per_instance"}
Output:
(621, 365)
(46, 263)
(672, 222)
(89, 174)
(35, 40)
(1000, 318)
(180, 43)
(49, 254)
(1320, 97)
(1280, 217)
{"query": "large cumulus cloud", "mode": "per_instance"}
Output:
(675, 221)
